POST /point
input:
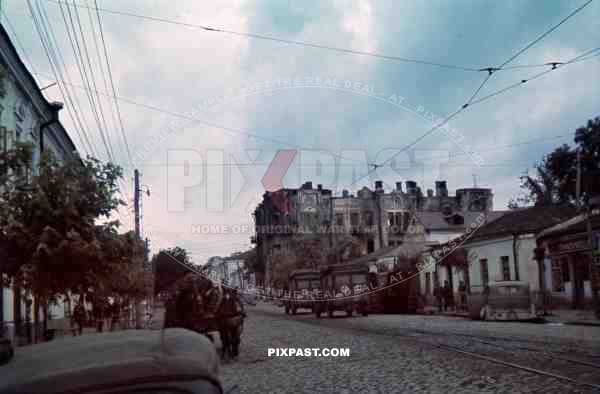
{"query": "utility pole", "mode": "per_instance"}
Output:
(136, 208)
(136, 201)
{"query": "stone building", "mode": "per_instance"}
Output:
(26, 115)
(370, 220)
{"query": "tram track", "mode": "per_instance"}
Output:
(575, 371)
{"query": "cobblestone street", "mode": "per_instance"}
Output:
(401, 353)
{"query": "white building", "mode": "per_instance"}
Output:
(25, 115)
(503, 250)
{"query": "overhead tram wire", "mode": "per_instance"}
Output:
(575, 59)
(276, 39)
(578, 58)
(490, 71)
(96, 105)
(104, 79)
(74, 41)
(112, 83)
(60, 62)
(54, 65)
(231, 130)
(547, 32)
(473, 102)
(104, 130)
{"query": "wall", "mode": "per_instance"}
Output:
(492, 250)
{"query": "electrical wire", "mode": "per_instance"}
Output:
(97, 107)
(55, 66)
(112, 83)
(546, 33)
(473, 102)
(277, 39)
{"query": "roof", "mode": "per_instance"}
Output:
(304, 272)
(574, 225)
(72, 364)
(523, 221)
(6, 38)
(436, 221)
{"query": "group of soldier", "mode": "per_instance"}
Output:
(445, 296)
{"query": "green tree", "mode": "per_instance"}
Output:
(48, 234)
(169, 266)
(555, 179)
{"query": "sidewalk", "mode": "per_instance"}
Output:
(434, 310)
(573, 317)
(557, 316)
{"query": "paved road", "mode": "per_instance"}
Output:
(398, 353)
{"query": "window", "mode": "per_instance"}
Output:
(370, 246)
(485, 275)
(428, 283)
(369, 218)
(390, 219)
(505, 267)
(354, 219)
(18, 133)
(566, 277)
(339, 219)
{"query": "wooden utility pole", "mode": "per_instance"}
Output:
(136, 208)
(136, 201)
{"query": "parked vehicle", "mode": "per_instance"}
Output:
(302, 285)
(508, 301)
(339, 284)
(391, 293)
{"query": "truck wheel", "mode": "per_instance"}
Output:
(364, 312)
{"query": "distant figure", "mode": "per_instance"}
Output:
(437, 293)
(79, 317)
(447, 293)
(462, 294)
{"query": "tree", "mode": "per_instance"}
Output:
(169, 266)
(48, 232)
(555, 179)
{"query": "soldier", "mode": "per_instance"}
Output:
(79, 317)
(437, 293)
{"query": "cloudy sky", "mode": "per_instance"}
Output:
(161, 69)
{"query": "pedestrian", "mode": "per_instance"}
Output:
(447, 295)
(79, 317)
(437, 293)
(462, 294)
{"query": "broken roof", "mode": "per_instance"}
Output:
(524, 221)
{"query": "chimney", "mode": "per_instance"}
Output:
(399, 187)
(319, 187)
(307, 185)
(345, 193)
(429, 193)
(441, 190)
(378, 186)
(411, 187)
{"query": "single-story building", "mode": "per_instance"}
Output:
(569, 274)
(504, 249)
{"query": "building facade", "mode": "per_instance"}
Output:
(26, 115)
(504, 249)
(569, 258)
(369, 220)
